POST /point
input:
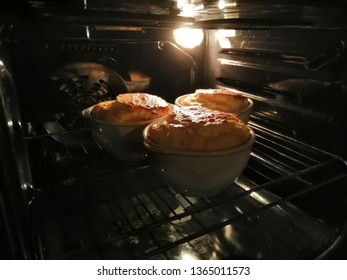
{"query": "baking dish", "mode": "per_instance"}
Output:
(196, 173)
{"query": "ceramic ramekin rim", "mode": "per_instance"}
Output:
(152, 146)
(242, 110)
(86, 114)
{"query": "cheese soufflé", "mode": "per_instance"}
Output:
(217, 99)
(130, 108)
(196, 128)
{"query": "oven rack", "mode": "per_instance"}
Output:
(281, 207)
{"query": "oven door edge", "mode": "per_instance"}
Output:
(15, 183)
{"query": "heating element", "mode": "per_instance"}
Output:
(283, 206)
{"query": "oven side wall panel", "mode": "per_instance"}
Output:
(297, 78)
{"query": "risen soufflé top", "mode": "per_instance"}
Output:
(195, 128)
(130, 108)
(217, 99)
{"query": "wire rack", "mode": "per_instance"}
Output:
(283, 206)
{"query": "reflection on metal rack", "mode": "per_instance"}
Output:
(129, 213)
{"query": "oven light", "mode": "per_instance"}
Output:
(185, 6)
(223, 36)
(188, 37)
(223, 4)
(181, 3)
(189, 9)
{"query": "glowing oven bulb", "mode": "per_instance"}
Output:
(188, 37)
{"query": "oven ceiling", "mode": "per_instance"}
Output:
(212, 13)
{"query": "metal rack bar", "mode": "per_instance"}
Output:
(146, 228)
(138, 218)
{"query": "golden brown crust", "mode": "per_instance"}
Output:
(195, 128)
(217, 99)
(131, 107)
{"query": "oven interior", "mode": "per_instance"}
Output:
(80, 202)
